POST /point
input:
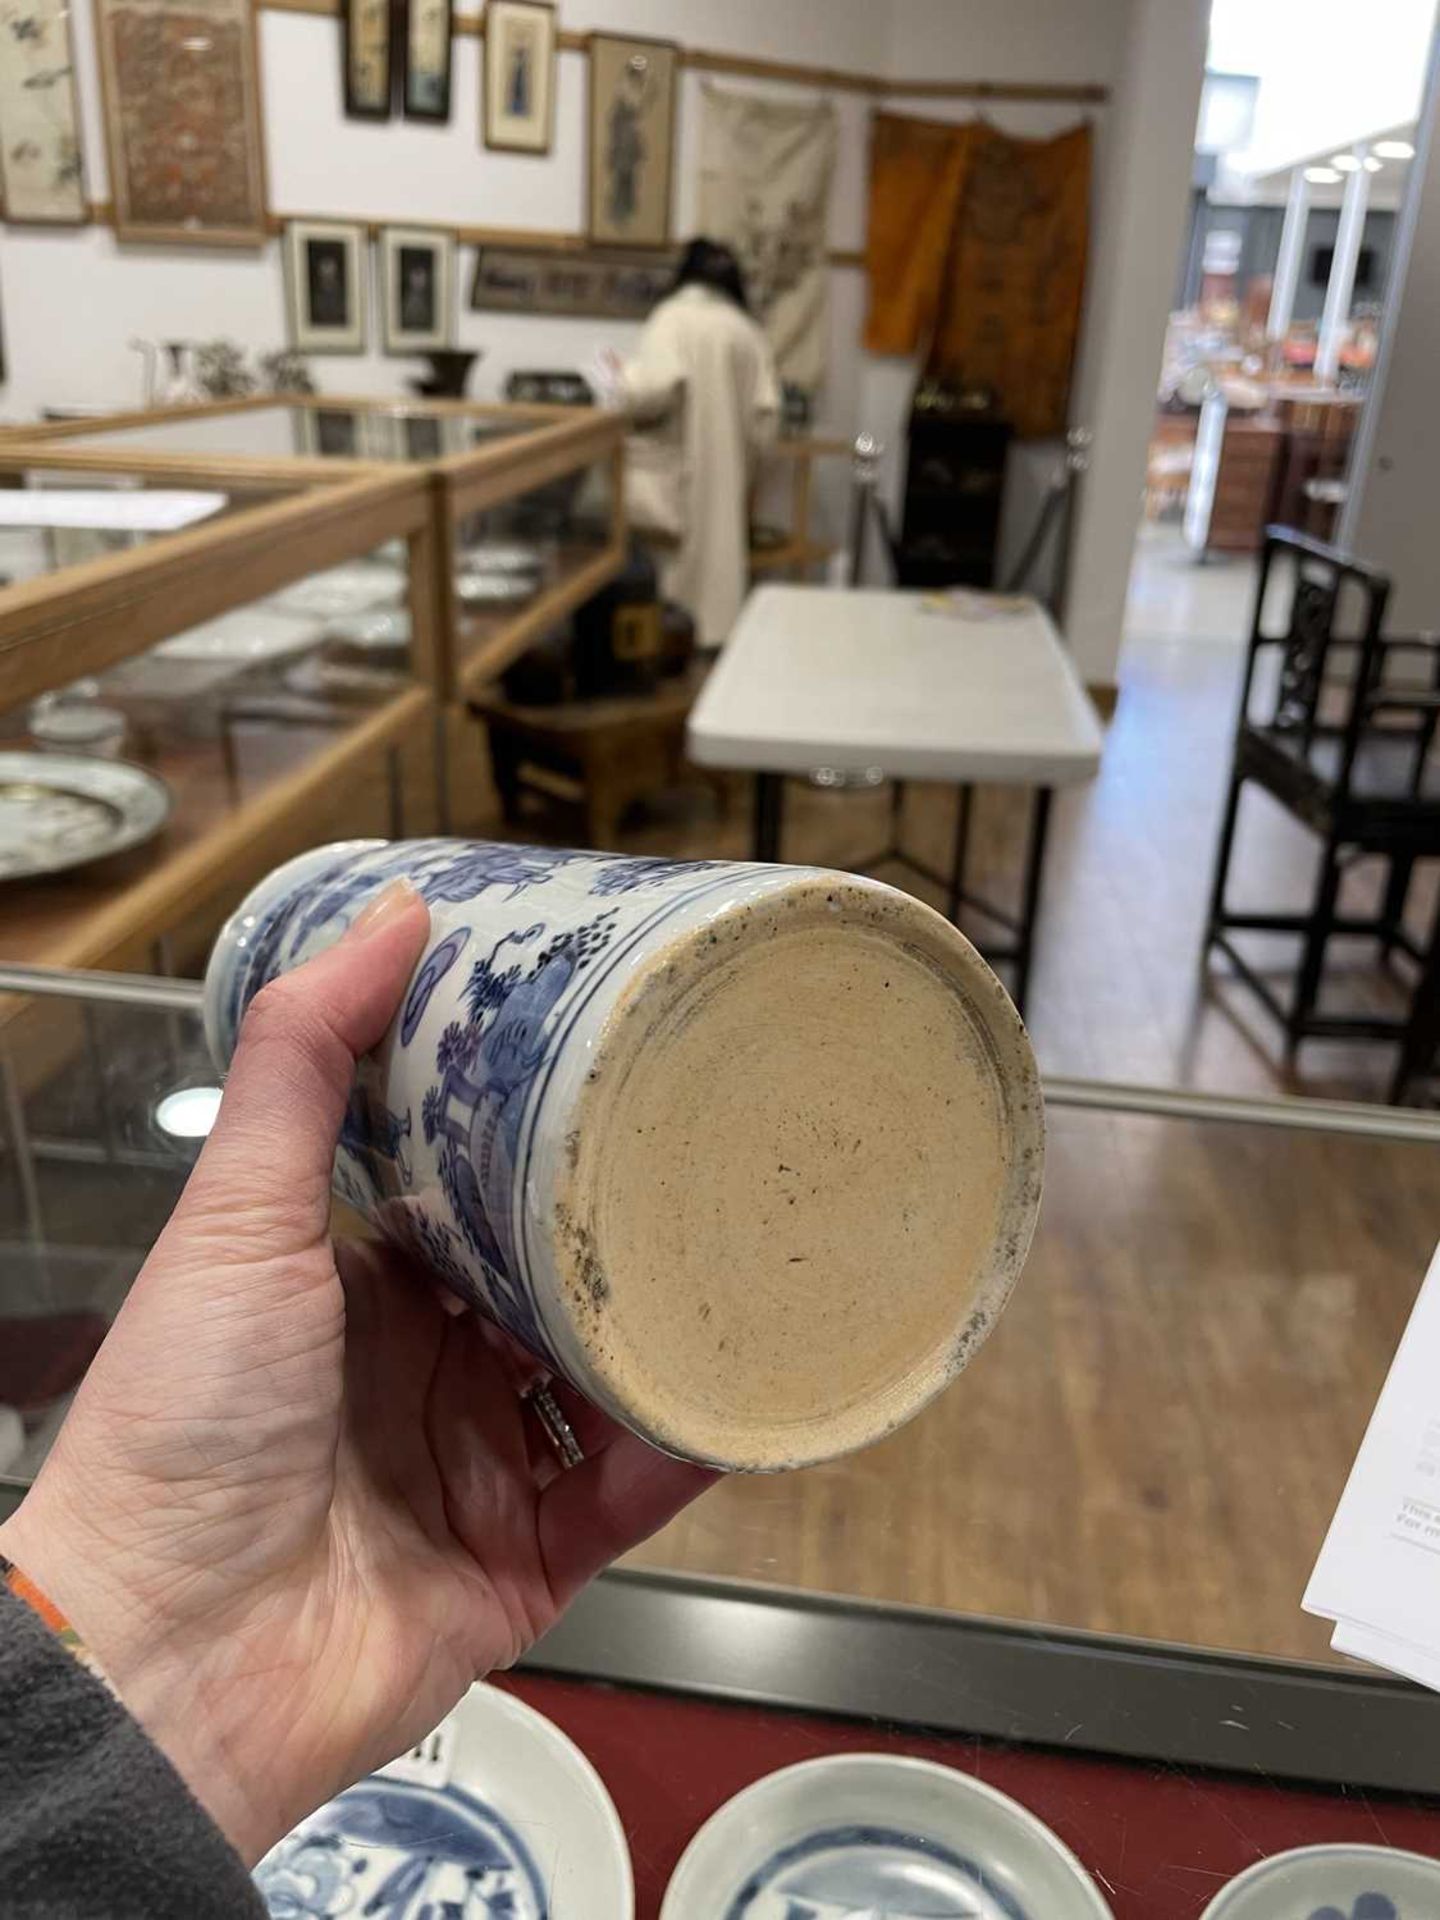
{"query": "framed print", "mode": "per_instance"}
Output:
(40, 172)
(429, 25)
(180, 83)
(632, 139)
(367, 50)
(603, 283)
(519, 76)
(417, 288)
(325, 286)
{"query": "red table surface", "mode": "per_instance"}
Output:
(1160, 1841)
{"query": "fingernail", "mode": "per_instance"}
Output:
(387, 906)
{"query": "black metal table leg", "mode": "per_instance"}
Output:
(1030, 906)
(769, 809)
(957, 865)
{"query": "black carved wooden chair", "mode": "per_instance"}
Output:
(1337, 721)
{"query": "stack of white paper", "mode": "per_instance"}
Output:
(1378, 1575)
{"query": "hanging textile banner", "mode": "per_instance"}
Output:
(976, 258)
(765, 171)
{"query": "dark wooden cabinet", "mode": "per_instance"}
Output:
(954, 482)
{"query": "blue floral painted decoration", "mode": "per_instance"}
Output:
(393, 1850)
(1368, 1906)
(868, 1870)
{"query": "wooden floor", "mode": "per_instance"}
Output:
(1154, 1440)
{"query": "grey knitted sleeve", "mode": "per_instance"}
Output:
(95, 1824)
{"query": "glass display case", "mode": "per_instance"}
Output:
(194, 682)
(1076, 1577)
(528, 500)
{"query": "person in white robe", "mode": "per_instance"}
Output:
(704, 400)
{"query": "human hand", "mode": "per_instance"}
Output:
(299, 1503)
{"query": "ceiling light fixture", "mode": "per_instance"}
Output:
(1321, 176)
(1394, 149)
(188, 1113)
(1372, 165)
(1345, 162)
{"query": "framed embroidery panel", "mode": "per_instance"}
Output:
(367, 52)
(417, 288)
(325, 286)
(181, 87)
(41, 176)
(631, 139)
(429, 26)
(518, 76)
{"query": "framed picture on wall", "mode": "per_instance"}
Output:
(417, 288)
(631, 139)
(325, 286)
(429, 25)
(367, 53)
(41, 177)
(181, 95)
(519, 76)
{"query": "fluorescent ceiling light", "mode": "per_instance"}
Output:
(1345, 163)
(1372, 165)
(1321, 176)
(1394, 150)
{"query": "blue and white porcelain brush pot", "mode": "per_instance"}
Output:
(750, 1155)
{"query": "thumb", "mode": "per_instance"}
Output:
(264, 1175)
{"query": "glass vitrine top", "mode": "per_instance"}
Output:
(379, 430)
(53, 518)
(1151, 1444)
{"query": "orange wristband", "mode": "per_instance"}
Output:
(39, 1602)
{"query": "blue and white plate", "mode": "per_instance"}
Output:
(1333, 1883)
(851, 1836)
(521, 1829)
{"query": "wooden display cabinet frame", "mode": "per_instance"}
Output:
(469, 652)
(84, 619)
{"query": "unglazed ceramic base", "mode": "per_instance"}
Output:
(802, 1177)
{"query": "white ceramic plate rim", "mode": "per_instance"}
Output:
(497, 1700)
(679, 1901)
(1337, 1850)
(248, 637)
(89, 775)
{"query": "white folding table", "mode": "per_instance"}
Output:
(901, 686)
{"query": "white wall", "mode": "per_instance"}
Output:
(1140, 216)
(71, 301)
(1390, 515)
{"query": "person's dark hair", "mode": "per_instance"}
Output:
(706, 263)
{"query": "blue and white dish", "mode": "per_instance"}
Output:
(523, 1829)
(359, 586)
(871, 1833)
(1337, 1882)
(62, 810)
(472, 1136)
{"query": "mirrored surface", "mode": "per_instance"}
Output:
(1151, 1444)
(102, 1109)
(1153, 1441)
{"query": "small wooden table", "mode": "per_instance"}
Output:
(901, 686)
(599, 755)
